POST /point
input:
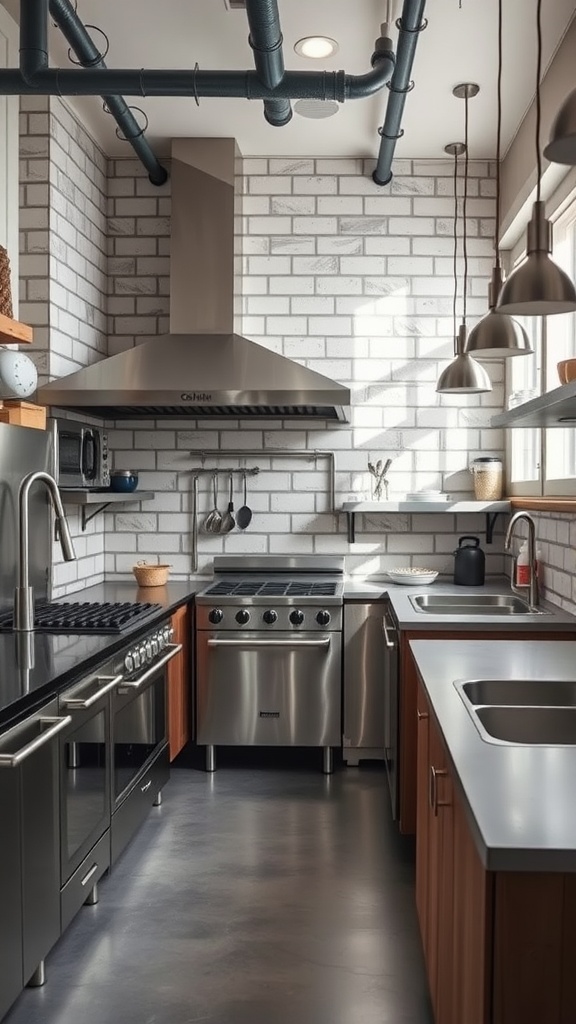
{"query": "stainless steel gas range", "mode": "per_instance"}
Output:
(268, 650)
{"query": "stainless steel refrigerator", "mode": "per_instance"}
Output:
(24, 450)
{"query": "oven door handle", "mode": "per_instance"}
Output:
(13, 760)
(323, 643)
(77, 704)
(134, 684)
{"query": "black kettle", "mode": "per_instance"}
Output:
(469, 563)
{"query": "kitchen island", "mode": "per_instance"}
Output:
(495, 842)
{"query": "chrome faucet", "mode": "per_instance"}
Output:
(23, 595)
(532, 585)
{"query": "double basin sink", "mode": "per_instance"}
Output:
(532, 711)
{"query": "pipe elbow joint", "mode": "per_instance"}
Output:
(278, 118)
(380, 181)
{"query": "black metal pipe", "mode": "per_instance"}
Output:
(266, 41)
(89, 56)
(410, 25)
(33, 37)
(322, 85)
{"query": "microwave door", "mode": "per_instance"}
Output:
(90, 457)
(69, 457)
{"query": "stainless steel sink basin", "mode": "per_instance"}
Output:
(472, 604)
(545, 726)
(520, 692)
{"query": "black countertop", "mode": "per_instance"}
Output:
(56, 660)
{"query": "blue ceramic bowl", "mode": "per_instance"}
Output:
(124, 481)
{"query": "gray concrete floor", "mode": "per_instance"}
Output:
(253, 896)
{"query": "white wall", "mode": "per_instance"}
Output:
(9, 154)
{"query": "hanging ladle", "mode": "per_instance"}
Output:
(244, 514)
(213, 521)
(228, 521)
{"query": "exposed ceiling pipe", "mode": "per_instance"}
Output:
(266, 41)
(411, 23)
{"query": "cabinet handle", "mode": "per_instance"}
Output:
(435, 774)
(13, 760)
(109, 682)
(90, 875)
(389, 643)
(422, 715)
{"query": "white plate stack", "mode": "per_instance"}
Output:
(412, 576)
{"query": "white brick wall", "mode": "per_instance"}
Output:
(556, 543)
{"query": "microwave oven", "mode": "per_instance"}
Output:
(80, 455)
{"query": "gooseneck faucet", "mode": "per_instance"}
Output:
(23, 595)
(532, 585)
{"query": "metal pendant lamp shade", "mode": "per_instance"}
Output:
(538, 287)
(562, 146)
(463, 376)
(497, 335)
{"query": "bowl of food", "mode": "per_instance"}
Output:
(151, 574)
(123, 480)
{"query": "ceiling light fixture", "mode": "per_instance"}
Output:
(316, 47)
(463, 375)
(497, 335)
(538, 287)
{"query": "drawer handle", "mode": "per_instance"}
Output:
(385, 627)
(92, 872)
(146, 786)
(76, 703)
(422, 715)
(324, 643)
(13, 760)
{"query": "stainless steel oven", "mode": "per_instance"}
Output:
(85, 747)
(269, 655)
(139, 761)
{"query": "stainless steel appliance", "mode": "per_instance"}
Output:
(23, 450)
(269, 654)
(80, 454)
(86, 616)
(391, 676)
(364, 682)
(29, 850)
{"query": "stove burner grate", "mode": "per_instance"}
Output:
(270, 588)
(85, 617)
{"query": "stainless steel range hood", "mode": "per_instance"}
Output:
(202, 368)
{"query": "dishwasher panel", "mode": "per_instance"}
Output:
(364, 681)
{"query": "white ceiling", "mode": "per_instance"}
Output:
(458, 45)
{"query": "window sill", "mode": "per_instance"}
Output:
(543, 504)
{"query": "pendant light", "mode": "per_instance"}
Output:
(538, 287)
(497, 335)
(463, 375)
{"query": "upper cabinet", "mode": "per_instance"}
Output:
(9, 152)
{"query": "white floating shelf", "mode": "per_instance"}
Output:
(426, 506)
(101, 499)
(556, 408)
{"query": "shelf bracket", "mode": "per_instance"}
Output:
(491, 518)
(351, 520)
(87, 516)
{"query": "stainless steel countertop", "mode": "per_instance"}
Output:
(519, 798)
(410, 619)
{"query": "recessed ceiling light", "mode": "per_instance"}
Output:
(316, 108)
(316, 47)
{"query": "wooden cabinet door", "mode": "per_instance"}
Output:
(422, 814)
(179, 685)
(473, 887)
(440, 880)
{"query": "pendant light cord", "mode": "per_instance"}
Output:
(538, 97)
(498, 137)
(455, 254)
(464, 210)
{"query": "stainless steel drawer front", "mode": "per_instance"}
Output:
(276, 690)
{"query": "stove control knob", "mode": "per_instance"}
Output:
(143, 656)
(270, 616)
(216, 615)
(297, 617)
(148, 650)
(242, 617)
(155, 646)
(323, 618)
(135, 654)
(129, 662)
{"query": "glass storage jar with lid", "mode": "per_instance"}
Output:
(488, 477)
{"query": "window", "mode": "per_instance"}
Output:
(543, 462)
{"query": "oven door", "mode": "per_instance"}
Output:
(84, 770)
(281, 689)
(139, 724)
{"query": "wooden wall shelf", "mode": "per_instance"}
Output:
(543, 504)
(12, 332)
